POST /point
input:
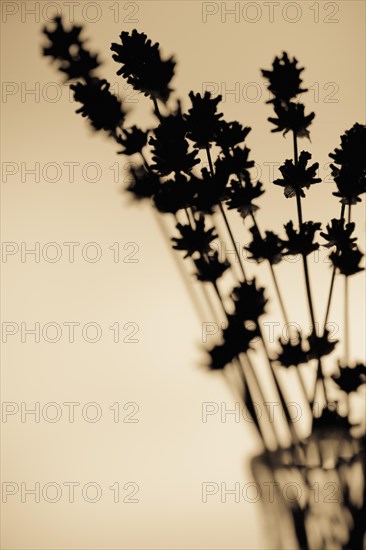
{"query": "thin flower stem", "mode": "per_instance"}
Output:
(282, 307)
(156, 108)
(332, 282)
(319, 373)
(251, 370)
(346, 310)
(283, 403)
(225, 217)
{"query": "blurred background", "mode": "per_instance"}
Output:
(114, 368)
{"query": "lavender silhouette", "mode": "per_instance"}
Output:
(185, 180)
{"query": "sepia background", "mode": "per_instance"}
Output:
(155, 371)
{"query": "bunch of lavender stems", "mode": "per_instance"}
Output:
(173, 178)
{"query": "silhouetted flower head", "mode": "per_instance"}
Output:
(237, 339)
(301, 242)
(240, 197)
(144, 183)
(292, 353)
(350, 175)
(170, 148)
(250, 302)
(229, 134)
(174, 194)
(347, 260)
(339, 234)
(320, 345)
(142, 65)
(235, 161)
(210, 268)
(99, 105)
(211, 190)
(284, 79)
(297, 176)
(133, 140)
(350, 182)
(352, 150)
(291, 117)
(67, 47)
(194, 239)
(202, 119)
(268, 248)
(349, 379)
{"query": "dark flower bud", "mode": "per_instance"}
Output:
(349, 379)
(297, 176)
(235, 161)
(320, 345)
(350, 182)
(170, 148)
(229, 134)
(347, 260)
(301, 242)
(268, 248)
(209, 268)
(202, 119)
(331, 424)
(237, 340)
(292, 353)
(352, 150)
(194, 239)
(174, 195)
(338, 234)
(144, 183)
(211, 190)
(291, 117)
(284, 79)
(240, 197)
(99, 105)
(142, 65)
(250, 302)
(133, 140)
(67, 48)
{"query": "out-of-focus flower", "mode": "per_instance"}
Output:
(202, 119)
(99, 105)
(349, 379)
(302, 241)
(211, 190)
(237, 339)
(292, 353)
(235, 161)
(291, 117)
(250, 301)
(194, 239)
(320, 345)
(142, 65)
(270, 247)
(339, 234)
(331, 424)
(170, 148)
(350, 176)
(240, 197)
(350, 182)
(133, 140)
(347, 260)
(144, 183)
(66, 47)
(229, 134)
(297, 176)
(284, 79)
(352, 150)
(210, 268)
(174, 195)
